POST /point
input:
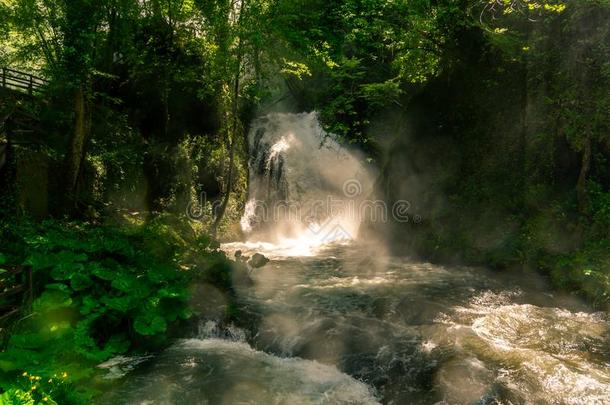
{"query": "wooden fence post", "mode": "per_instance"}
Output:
(20, 81)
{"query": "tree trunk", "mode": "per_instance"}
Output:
(581, 185)
(233, 140)
(76, 150)
(233, 134)
(522, 151)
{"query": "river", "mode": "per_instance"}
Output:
(347, 326)
(336, 319)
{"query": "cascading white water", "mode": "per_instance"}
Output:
(353, 325)
(302, 184)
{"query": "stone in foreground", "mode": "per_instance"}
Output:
(258, 260)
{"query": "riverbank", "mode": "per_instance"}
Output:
(102, 291)
(582, 269)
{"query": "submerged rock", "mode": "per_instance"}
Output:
(239, 257)
(258, 260)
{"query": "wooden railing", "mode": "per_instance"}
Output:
(15, 292)
(21, 81)
(3, 149)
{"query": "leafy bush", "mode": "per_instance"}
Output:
(101, 291)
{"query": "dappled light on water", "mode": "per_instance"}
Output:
(303, 241)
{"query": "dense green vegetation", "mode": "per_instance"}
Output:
(101, 291)
(491, 117)
(509, 151)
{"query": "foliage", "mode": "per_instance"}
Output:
(520, 125)
(362, 55)
(103, 291)
(33, 389)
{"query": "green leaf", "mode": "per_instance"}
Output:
(121, 304)
(89, 304)
(58, 286)
(124, 282)
(51, 300)
(66, 264)
(65, 271)
(80, 282)
(173, 291)
(101, 271)
(149, 324)
(40, 261)
(117, 344)
(161, 274)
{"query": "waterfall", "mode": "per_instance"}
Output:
(302, 182)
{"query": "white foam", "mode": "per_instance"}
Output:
(544, 346)
(298, 195)
(288, 379)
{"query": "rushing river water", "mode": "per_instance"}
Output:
(327, 322)
(347, 326)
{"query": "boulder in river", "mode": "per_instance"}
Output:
(239, 257)
(258, 260)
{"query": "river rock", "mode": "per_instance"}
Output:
(258, 260)
(239, 257)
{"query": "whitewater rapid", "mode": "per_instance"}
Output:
(336, 320)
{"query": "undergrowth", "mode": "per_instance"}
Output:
(100, 291)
